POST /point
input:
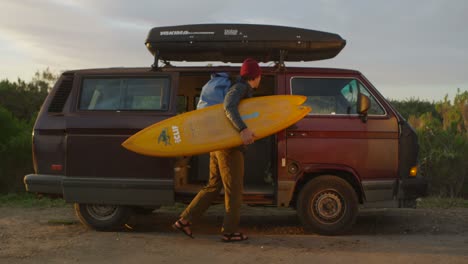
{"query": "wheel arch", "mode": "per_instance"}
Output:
(346, 174)
(109, 222)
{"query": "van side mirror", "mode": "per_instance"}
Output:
(363, 106)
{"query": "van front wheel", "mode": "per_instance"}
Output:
(327, 205)
(103, 217)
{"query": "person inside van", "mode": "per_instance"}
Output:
(215, 90)
(227, 166)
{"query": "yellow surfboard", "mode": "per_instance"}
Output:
(208, 129)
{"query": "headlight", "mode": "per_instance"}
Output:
(413, 171)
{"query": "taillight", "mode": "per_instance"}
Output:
(56, 167)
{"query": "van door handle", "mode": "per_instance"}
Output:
(292, 134)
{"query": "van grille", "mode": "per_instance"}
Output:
(60, 97)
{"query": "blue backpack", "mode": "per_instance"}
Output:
(214, 91)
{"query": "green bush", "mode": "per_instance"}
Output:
(20, 102)
(443, 141)
(24, 99)
(443, 161)
(415, 107)
(15, 151)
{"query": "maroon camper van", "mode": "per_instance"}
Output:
(353, 150)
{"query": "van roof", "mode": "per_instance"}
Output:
(265, 70)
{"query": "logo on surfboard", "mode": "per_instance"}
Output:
(176, 134)
(250, 116)
(164, 137)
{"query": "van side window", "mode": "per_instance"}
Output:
(350, 93)
(125, 94)
(332, 96)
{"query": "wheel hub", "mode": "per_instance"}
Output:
(102, 212)
(329, 207)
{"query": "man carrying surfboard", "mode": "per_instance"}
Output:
(227, 166)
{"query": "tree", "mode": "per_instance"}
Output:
(453, 114)
(20, 102)
(443, 139)
(444, 146)
(23, 99)
(415, 107)
(15, 150)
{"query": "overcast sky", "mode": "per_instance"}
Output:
(405, 48)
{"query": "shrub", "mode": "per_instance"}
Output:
(415, 107)
(15, 151)
(443, 155)
(443, 141)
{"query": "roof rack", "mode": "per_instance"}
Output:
(235, 42)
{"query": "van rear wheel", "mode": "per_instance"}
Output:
(103, 217)
(327, 205)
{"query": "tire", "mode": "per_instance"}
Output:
(103, 217)
(327, 205)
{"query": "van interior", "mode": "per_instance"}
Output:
(192, 173)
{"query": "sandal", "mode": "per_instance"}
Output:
(178, 225)
(234, 237)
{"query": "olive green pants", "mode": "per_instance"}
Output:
(226, 170)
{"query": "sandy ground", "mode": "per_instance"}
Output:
(53, 235)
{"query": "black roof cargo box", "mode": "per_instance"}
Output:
(235, 42)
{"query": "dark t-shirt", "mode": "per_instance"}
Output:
(235, 94)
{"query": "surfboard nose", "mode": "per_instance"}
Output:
(300, 99)
(127, 144)
(305, 108)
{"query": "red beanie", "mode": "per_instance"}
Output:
(250, 69)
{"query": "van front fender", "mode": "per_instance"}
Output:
(310, 171)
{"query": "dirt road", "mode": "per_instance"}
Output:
(54, 235)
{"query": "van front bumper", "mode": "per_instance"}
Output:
(41, 183)
(412, 188)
